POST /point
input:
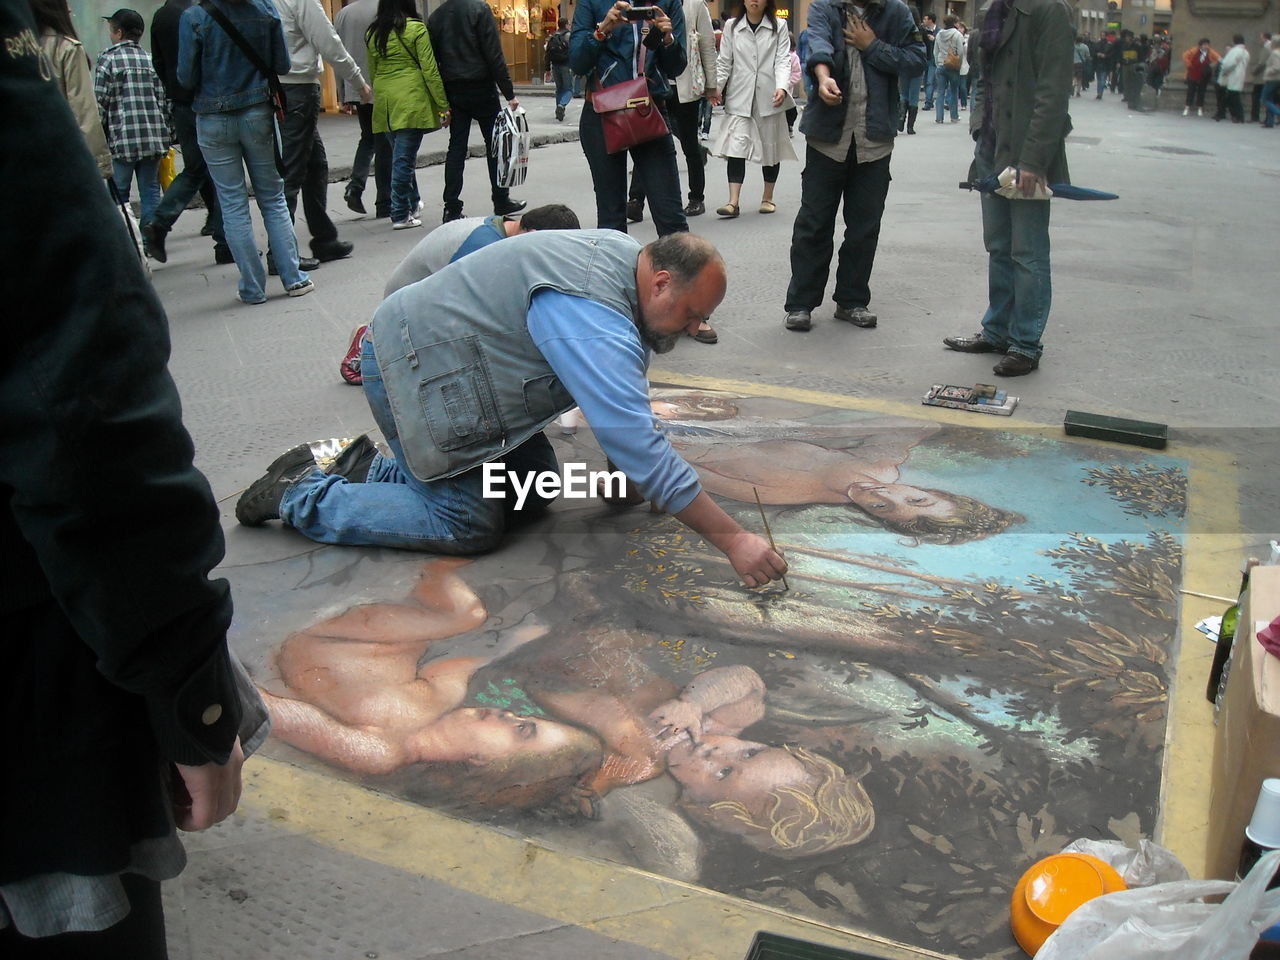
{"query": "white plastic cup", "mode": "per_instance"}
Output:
(1264, 825)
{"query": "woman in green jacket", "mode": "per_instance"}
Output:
(408, 98)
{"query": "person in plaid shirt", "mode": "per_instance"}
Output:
(134, 110)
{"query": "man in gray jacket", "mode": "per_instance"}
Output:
(352, 22)
(1019, 119)
(310, 36)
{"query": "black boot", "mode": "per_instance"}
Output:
(261, 502)
(902, 114)
(911, 119)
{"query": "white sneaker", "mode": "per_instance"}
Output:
(417, 208)
(300, 289)
(1199, 111)
(407, 224)
(1186, 111)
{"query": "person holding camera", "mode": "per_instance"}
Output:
(611, 43)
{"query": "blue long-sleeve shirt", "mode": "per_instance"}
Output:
(597, 354)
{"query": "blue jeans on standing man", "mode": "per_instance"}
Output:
(930, 78)
(392, 508)
(1019, 285)
(947, 93)
(404, 173)
(1269, 91)
(563, 77)
(231, 142)
(148, 174)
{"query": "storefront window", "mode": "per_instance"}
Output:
(525, 26)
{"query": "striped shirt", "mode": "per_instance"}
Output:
(132, 103)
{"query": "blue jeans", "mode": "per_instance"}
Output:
(1020, 291)
(1269, 91)
(563, 77)
(231, 142)
(655, 173)
(909, 91)
(404, 172)
(392, 508)
(193, 179)
(948, 90)
(148, 174)
(930, 78)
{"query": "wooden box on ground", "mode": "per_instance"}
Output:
(1247, 739)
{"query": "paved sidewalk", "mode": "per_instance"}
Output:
(1164, 309)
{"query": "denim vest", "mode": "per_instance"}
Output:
(464, 379)
(212, 65)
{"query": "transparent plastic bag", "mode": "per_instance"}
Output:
(1169, 921)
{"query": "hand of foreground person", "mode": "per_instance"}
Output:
(1027, 182)
(209, 793)
(858, 32)
(829, 91)
(613, 17)
(514, 103)
(757, 563)
(366, 93)
(778, 96)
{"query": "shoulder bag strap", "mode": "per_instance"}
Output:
(273, 81)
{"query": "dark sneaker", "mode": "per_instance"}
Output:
(153, 243)
(696, 208)
(222, 254)
(507, 207)
(559, 112)
(354, 201)
(635, 210)
(305, 264)
(975, 344)
(350, 366)
(354, 460)
(261, 502)
(206, 230)
(332, 250)
(858, 316)
(799, 320)
(452, 213)
(1015, 365)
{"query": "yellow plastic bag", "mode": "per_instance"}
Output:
(167, 171)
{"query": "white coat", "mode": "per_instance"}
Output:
(754, 65)
(1235, 67)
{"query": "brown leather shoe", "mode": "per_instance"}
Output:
(975, 344)
(705, 334)
(1015, 365)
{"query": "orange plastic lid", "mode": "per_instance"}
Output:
(1059, 884)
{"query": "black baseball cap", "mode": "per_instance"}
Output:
(127, 21)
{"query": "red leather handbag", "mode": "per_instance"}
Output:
(628, 112)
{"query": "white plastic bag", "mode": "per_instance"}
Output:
(1168, 922)
(1149, 864)
(511, 144)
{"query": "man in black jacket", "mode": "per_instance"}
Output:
(468, 53)
(116, 679)
(195, 175)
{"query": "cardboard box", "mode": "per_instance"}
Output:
(1247, 739)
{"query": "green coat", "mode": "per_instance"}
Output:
(1030, 74)
(407, 95)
